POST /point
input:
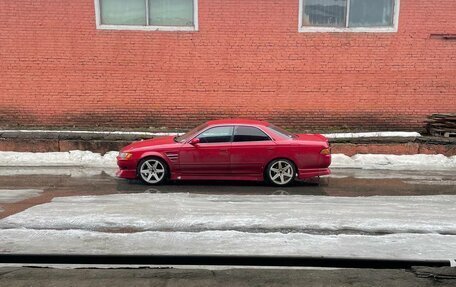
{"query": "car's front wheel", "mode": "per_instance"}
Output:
(280, 172)
(153, 171)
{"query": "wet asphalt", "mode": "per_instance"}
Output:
(72, 181)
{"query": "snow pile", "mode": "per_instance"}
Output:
(175, 223)
(364, 161)
(247, 213)
(397, 162)
(394, 246)
(16, 195)
(390, 174)
(73, 171)
(372, 135)
(428, 176)
(71, 158)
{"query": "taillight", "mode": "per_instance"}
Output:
(325, 151)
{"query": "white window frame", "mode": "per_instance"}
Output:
(101, 26)
(392, 29)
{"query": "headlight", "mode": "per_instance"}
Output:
(125, 155)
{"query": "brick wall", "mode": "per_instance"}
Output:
(246, 60)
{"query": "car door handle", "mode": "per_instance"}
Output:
(223, 149)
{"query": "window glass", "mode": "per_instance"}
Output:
(248, 134)
(121, 12)
(281, 131)
(216, 135)
(371, 13)
(327, 13)
(171, 12)
(190, 133)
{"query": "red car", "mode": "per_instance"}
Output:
(227, 150)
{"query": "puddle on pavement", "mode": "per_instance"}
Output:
(73, 181)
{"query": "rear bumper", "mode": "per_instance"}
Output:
(126, 173)
(313, 172)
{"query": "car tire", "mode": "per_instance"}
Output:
(280, 172)
(153, 171)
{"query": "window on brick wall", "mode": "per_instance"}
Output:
(167, 15)
(348, 15)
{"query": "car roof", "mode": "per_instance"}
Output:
(238, 122)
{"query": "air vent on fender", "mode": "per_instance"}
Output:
(172, 156)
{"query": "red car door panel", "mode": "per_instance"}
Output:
(210, 156)
(250, 157)
(205, 159)
(250, 151)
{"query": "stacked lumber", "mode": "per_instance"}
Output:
(442, 125)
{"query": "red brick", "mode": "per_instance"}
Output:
(246, 60)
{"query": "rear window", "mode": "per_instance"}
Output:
(249, 134)
(281, 131)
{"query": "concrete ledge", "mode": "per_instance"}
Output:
(104, 142)
(100, 146)
(31, 145)
(351, 149)
(57, 145)
(74, 135)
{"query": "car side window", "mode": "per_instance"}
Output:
(216, 135)
(249, 134)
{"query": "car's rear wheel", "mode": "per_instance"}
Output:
(280, 172)
(153, 171)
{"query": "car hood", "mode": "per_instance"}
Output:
(159, 141)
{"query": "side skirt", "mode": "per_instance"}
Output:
(247, 177)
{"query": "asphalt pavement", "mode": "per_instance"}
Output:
(416, 277)
(24, 187)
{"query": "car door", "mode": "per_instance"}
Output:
(211, 156)
(250, 150)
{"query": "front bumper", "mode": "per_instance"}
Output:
(126, 173)
(127, 168)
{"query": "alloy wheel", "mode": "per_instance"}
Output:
(281, 172)
(152, 171)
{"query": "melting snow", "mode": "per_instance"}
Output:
(16, 195)
(396, 162)
(71, 158)
(57, 170)
(364, 161)
(248, 213)
(395, 246)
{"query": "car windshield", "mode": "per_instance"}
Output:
(190, 133)
(281, 131)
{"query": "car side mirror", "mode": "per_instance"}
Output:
(195, 141)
